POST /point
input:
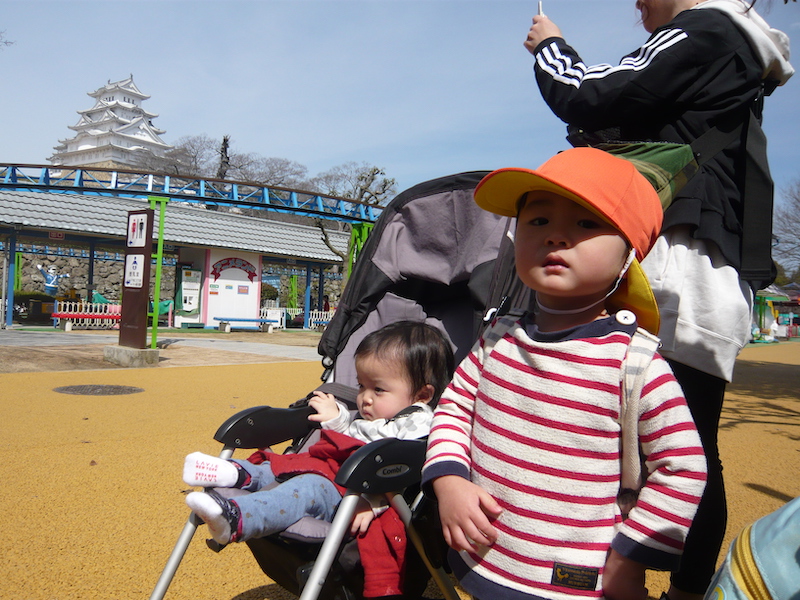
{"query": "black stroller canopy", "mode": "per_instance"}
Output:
(430, 257)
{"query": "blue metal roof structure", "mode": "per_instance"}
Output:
(194, 190)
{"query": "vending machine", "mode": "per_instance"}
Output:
(187, 302)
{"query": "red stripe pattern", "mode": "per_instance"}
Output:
(536, 424)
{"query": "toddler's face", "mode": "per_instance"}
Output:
(383, 389)
(567, 254)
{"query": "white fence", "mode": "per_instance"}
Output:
(274, 314)
(317, 318)
(87, 314)
(106, 316)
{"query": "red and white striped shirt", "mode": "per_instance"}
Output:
(535, 422)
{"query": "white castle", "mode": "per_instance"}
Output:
(116, 132)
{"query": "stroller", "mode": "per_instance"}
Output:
(433, 256)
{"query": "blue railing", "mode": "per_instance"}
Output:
(196, 190)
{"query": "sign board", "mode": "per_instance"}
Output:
(136, 283)
(134, 270)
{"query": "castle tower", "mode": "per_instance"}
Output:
(115, 133)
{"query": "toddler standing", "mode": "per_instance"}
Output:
(524, 452)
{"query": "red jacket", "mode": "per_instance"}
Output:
(383, 546)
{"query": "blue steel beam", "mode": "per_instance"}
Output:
(109, 182)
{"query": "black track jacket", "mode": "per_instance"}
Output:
(692, 72)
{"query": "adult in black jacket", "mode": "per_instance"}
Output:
(705, 63)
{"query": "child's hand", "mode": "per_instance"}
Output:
(466, 511)
(623, 578)
(362, 518)
(325, 405)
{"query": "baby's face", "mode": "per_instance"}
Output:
(383, 388)
(565, 252)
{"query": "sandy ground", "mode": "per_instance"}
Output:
(94, 497)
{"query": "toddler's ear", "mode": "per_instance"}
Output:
(425, 394)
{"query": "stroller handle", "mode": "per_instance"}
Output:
(383, 466)
(262, 426)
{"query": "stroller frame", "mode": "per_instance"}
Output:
(382, 467)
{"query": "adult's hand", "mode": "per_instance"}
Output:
(542, 29)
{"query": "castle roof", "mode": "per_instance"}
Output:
(104, 107)
(124, 85)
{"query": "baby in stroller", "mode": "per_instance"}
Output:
(402, 369)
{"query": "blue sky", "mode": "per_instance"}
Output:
(422, 88)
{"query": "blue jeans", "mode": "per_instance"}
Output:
(268, 511)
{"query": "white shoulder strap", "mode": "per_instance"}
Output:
(640, 353)
(497, 331)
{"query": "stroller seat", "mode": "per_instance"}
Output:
(314, 559)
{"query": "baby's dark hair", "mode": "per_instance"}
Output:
(421, 349)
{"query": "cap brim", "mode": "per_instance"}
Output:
(500, 191)
(636, 295)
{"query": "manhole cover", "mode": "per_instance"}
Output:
(98, 390)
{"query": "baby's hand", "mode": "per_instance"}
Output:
(362, 518)
(325, 405)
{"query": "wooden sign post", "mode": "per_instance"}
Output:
(136, 282)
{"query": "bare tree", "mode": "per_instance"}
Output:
(327, 241)
(202, 156)
(270, 172)
(224, 157)
(364, 183)
(199, 153)
(786, 229)
(175, 161)
(3, 41)
(192, 156)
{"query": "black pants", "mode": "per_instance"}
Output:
(704, 394)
